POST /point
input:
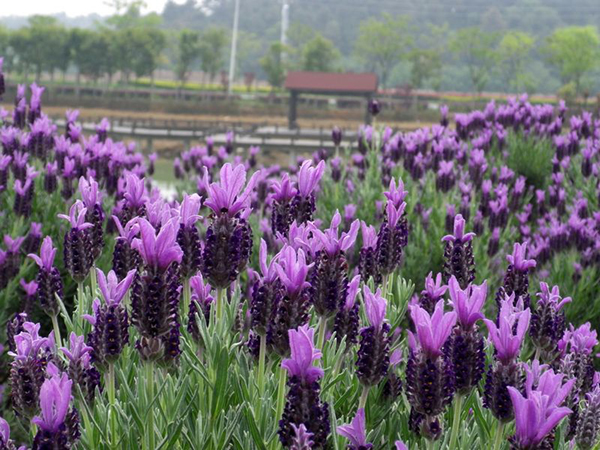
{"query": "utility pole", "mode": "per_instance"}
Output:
(285, 21)
(233, 47)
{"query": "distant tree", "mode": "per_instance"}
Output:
(212, 48)
(94, 49)
(513, 53)
(248, 52)
(319, 55)
(75, 42)
(45, 39)
(187, 53)
(426, 64)
(381, 44)
(475, 48)
(148, 44)
(574, 52)
(273, 64)
(20, 42)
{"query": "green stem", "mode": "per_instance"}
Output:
(112, 395)
(456, 420)
(322, 330)
(80, 307)
(431, 444)
(93, 282)
(150, 397)
(220, 304)
(262, 355)
(56, 329)
(185, 308)
(280, 394)
(499, 436)
(363, 397)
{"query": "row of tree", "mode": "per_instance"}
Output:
(134, 45)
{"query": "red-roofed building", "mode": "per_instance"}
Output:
(328, 83)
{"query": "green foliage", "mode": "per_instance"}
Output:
(530, 157)
(319, 55)
(475, 48)
(274, 64)
(212, 46)
(382, 43)
(188, 52)
(513, 52)
(426, 65)
(574, 52)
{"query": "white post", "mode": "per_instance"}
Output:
(233, 47)
(285, 21)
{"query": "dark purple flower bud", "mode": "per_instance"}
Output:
(30, 290)
(303, 403)
(110, 322)
(367, 265)
(31, 356)
(13, 328)
(281, 208)
(156, 291)
(35, 103)
(434, 291)
(444, 116)
(80, 370)
(548, 320)
(266, 293)
(588, 426)
(507, 338)
(429, 372)
(466, 345)
(188, 236)
(336, 136)
(347, 317)
(125, 257)
(458, 254)
(292, 309)
(200, 304)
(58, 428)
(2, 87)
(77, 246)
(5, 161)
(19, 113)
(50, 179)
(516, 279)
(24, 193)
(373, 359)
(303, 204)
(392, 238)
(229, 237)
(374, 107)
(95, 215)
(33, 239)
(336, 169)
(329, 276)
(445, 178)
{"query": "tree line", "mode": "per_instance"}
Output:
(134, 45)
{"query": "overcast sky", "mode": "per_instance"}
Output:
(70, 7)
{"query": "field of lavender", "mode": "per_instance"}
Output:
(433, 289)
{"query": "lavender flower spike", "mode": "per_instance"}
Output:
(57, 427)
(458, 254)
(518, 258)
(226, 196)
(401, 445)
(80, 369)
(48, 278)
(373, 359)
(158, 250)
(536, 416)
(188, 236)
(6, 443)
(433, 330)
(92, 200)
(303, 204)
(433, 292)
(356, 432)
(509, 334)
(303, 355)
(303, 403)
(110, 332)
(467, 303)
(77, 246)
